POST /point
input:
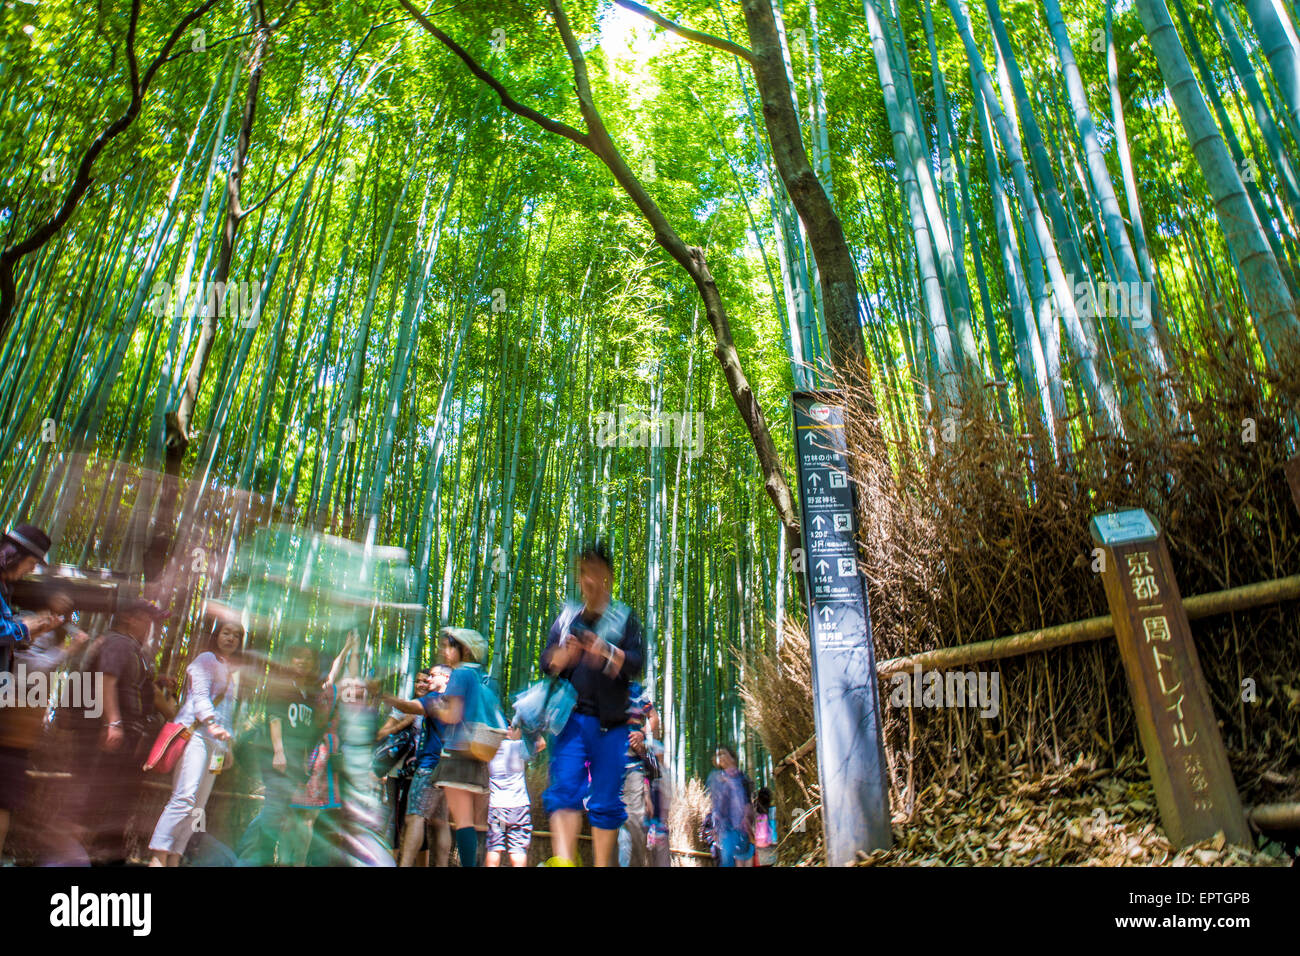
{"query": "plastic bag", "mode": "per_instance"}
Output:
(545, 707)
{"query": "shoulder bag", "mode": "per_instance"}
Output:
(172, 739)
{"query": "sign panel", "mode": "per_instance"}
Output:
(1185, 754)
(1121, 527)
(850, 748)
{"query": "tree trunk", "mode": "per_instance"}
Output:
(835, 266)
(178, 422)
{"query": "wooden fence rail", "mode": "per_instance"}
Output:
(1061, 635)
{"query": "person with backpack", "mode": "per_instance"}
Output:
(595, 645)
(729, 796)
(643, 728)
(22, 727)
(425, 802)
(21, 549)
(707, 834)
(393, 760)
(318, 801)
(660, 803)
(353, 833)
(397, 742)
(211, 690)
(110, 749)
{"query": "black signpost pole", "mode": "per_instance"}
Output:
(846, 705)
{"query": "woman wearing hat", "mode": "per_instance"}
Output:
(211, 692)
(463, 778)
(22, 548)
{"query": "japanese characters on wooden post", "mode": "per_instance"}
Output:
(1184, 749)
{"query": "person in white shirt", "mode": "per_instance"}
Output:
(510, 822)
(211, 691)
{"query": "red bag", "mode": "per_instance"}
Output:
(171, 740)
(168, 747)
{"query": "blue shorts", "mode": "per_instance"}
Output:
(734, 847)
(583, 742)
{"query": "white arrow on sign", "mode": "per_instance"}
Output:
(819, 521)
(813, 479)
(822, 566)
(826, 613)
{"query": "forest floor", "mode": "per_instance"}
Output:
(1073, 816)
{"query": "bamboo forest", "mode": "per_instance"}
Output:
(879, 415)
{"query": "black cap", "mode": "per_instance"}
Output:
(30, 539)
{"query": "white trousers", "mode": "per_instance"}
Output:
(191, 786)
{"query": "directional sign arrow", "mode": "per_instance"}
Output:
(852, 768)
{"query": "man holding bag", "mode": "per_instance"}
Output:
(596, 647)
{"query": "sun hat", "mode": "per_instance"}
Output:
(471, 641)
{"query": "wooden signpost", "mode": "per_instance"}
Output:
(1184, 749)
(846, 692)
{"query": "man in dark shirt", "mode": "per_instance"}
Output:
(291, 734)
(597, 648)
(291, 718)
(112, 748)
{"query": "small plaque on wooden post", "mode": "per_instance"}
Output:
(1184, 749)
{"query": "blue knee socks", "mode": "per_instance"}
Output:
(467, 846)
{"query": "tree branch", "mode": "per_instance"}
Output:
(247, 33)
(508, 101)
(41, 234)
(707, 39)
(691, 258)
(46, 230)
(130, 50)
